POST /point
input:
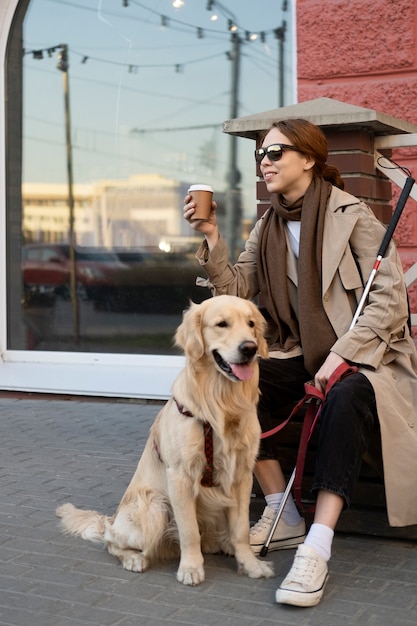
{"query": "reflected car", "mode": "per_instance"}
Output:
(46, 270)
(160, 282)
(115, 280)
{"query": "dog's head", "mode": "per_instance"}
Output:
(227, 330)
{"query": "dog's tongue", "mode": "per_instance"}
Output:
(242, 371)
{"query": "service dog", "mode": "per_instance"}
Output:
(191, 491)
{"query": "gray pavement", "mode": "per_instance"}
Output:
(55, 450)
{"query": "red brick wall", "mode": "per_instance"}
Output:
(364, 52)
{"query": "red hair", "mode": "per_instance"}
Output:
(311, 141)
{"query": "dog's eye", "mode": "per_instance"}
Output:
(222, 324)
(251, 324)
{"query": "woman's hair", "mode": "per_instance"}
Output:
(310, 140)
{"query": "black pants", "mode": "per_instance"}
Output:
(347, 420)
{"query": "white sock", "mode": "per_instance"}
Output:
(320, 537)
(290, 514)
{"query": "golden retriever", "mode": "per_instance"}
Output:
(166, 511)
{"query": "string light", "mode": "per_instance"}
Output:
(62, 64)
(280, 32)
(232, 26)
(132, 68)
(216, 8)
(213, 17)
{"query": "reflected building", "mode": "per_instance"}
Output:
(135, 270)
(144, 211)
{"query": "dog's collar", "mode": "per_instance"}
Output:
(207, 479)
(181, 408)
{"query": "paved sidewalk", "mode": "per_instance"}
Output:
(58, 450)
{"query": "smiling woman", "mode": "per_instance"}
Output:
(114, 109)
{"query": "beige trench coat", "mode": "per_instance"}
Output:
(379, 343)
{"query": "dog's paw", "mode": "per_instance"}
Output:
(191, 575)
(257, 569)
(135, 562)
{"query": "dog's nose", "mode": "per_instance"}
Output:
(248, 349)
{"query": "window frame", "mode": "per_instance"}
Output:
(72, 373)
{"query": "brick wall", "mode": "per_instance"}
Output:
(364, 52)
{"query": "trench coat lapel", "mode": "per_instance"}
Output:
(338, 228)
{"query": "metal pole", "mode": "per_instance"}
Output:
(63, 67)
(233, 209)
(280, 35)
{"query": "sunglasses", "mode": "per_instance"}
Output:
(273, 152)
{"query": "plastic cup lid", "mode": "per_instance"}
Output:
(200, 188)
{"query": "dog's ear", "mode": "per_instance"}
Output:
(189, 336)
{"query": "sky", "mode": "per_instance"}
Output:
(149, 87)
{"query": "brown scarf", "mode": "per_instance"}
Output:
(312, 329)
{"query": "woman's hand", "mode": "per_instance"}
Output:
(329, 366)
(208, 227)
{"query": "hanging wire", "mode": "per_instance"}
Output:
(132, 68)
(164, 22)
(173, 21)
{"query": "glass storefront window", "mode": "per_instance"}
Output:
(113, 110)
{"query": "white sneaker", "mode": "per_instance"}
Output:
(284, 537)
(305, 582)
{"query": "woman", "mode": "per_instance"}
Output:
(310, 256)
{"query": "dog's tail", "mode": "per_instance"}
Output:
(89, 525)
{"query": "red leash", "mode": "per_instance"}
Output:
(313, 399)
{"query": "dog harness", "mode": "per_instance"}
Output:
(207, 479)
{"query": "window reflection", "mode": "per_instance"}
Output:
(148, 89)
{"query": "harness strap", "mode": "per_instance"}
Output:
(182, 409)
(207, 479)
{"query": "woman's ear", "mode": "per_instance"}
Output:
(309, 163)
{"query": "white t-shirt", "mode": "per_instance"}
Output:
(293, 229)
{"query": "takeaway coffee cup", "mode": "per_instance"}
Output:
(202, 195)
